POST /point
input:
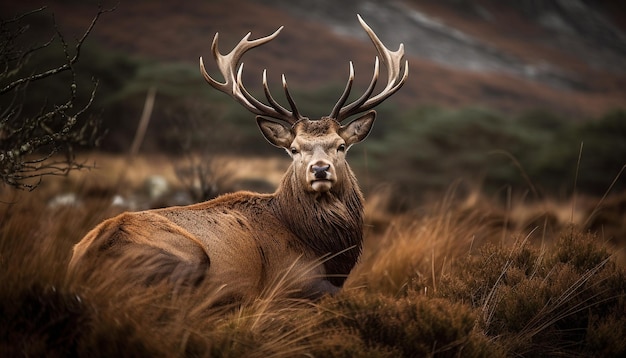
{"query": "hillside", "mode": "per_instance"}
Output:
(513, 56)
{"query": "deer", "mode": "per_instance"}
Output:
(244, 240)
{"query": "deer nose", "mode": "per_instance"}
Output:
(320, 170)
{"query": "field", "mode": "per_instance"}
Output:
(494, 180)
(460, 276)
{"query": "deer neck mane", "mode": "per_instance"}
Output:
(331, 223)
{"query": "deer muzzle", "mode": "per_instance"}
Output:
(321, 176)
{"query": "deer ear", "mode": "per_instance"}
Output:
(358, 129)
(275, 133)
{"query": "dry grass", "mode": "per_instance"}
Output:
(466, 278)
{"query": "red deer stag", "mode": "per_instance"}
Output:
(245, 240)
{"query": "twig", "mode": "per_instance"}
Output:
(66, 66)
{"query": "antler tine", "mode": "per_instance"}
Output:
(269, 97)
(258, 106)
(344, 95)
(292, 103)
(393, 61)
(368, 92)
(276, 110)
(233, 85)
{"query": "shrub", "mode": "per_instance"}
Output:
(543, 302)
(412, 326)
(602, 157)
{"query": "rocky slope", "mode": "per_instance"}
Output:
(567, 56)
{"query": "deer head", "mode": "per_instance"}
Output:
(317, 146)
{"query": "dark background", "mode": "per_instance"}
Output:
(501, 94)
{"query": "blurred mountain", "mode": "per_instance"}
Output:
(567, 56)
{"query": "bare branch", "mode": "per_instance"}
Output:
(66, 66)
(31, 143)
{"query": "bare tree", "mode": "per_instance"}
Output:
(36, 145)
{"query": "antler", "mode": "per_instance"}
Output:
(233, 86)
(392, 60)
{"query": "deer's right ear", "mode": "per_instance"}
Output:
(275, 132)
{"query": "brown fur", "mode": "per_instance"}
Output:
(312, 225)
(246, 240)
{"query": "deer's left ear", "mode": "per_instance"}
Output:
(358, 129)
(275, 133)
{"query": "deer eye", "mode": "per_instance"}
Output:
(341, 148)
(294, 150)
